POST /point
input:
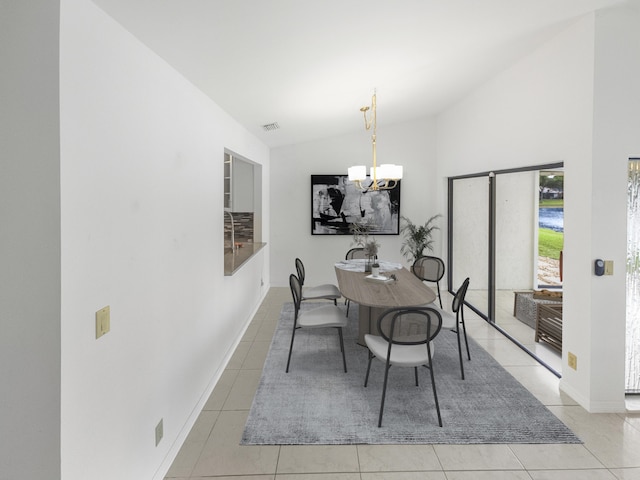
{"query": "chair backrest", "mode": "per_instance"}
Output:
(296, 293)
(458, 299)
(428, 268)
(357, 252)
(410, 326)
(300, 270)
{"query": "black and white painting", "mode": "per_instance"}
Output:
(337, 203)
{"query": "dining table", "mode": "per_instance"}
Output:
(395, 286)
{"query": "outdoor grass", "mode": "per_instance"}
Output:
(550, 243)
(552, 202)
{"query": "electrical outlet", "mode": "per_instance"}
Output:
(572, 360)
(103, 321)
(159, 432)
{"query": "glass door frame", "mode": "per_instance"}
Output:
(490, 316)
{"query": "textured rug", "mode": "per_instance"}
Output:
(317, 403)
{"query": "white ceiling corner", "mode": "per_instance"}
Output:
(310, 65)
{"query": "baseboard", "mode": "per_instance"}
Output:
(590, 406)
(195, 413)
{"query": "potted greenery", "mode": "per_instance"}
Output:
(417, 238)
(362, 239)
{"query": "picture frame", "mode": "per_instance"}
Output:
(337, 203)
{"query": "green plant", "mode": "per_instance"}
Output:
(417, 238)
(362, 239)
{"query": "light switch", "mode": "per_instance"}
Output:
(572, 360)
(608, 267)
(103, 321)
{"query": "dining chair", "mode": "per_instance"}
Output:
(326, 291)
(430, 269)
(352, 254)
(455, 320)
(405, 340)
(323, 316)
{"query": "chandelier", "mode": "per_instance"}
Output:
(383, 177)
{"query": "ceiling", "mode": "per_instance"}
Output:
(311, 65)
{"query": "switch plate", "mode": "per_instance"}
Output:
(608, 267)
(572, 360)
(103, 321)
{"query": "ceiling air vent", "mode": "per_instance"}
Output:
(271, 126)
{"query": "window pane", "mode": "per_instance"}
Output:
(633, 279)
(470, 238)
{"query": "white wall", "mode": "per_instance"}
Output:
(616, 138)
(411, 145)
(29, 241)
(538, 111)
(142, 231)
(541, 111)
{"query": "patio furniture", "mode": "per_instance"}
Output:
(549, 325)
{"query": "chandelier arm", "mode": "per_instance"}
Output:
(374, 119)
(384, 183)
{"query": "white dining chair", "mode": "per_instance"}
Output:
(430, 269)
(405, 340)
(327, 291)
(455, 321)
(322, 316)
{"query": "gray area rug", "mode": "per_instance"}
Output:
(317, 403)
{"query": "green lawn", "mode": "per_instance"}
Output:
(550, 243)
(552, 202)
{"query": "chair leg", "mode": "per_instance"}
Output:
(293, 334)
(384, 392)
(344, 359)
(439, 297)
(366, 378)
(459, 349)
(464, 330)
(348, 302)
(416, 374)
(435, 395)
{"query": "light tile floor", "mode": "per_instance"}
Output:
(611, 449)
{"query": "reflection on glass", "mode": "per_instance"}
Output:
(516, 204)
(515, 235)
(633, 279)
(470, 239)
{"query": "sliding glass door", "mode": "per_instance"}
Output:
(493, 232)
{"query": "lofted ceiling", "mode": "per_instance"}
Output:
(311, 65)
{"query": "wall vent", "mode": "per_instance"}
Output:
(271, 126)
